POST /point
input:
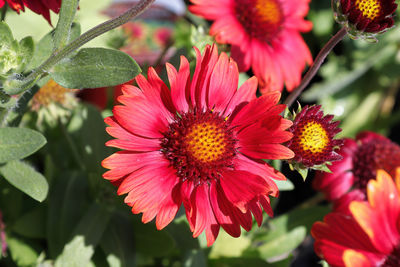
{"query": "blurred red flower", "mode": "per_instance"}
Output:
(370, 234)
(41, 7)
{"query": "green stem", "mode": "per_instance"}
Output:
(63, 29)
(78, 42)
(316, 65)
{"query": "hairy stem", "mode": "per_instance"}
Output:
(316, 65)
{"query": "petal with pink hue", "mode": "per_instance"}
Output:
(260, 168)
(180, 82)
(223, 83)
(123, 163)
(240, 187)
(127, 140)
(245, 94)
(205, 218)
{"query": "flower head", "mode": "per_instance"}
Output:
(200, 144)
(313, 140)
(362, 158)
(41, 7)
(53, 102)
(364, 18)
(370, 234)
(264, 35)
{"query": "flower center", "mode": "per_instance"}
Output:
(374, 155)
(313, 137)
(393, 260)
(369, 8)
(199, 145)
(261, 18)
(51, 92)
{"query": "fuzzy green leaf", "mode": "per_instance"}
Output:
(75, 254)
(26, 179)
(95, 67)
(18, 143)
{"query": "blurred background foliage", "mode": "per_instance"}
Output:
(82, 222)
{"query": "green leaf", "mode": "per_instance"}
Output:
(32, 224)
(93, 224)
(75, 254)
(63, 29)
(44, 48)
(95, 67)
(21, 252)
(66, 202)
(117, 242)
(286, 185)
(194, 258)
(26, 49)
(228, 246)
(26, 179)
(18, 143)
(151, 242)
(283, 244)
(180, 232)
(5, 33)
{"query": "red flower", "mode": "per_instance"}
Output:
(313, 140)
(264, 34)
(370, 16)
(362, 157)
(200, 144)
(370, 234)
(41, 7)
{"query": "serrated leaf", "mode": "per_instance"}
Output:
(26, 179)
(75, 254)
(18, 143)
(95, 67)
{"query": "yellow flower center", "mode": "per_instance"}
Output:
(369, 8)
(206, 142)
(269, 11)
(313, 137)
(51, 92)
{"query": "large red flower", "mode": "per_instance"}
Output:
(41, 7)
(362, 157)
(370, 234)
(200, 144)
(264, 34)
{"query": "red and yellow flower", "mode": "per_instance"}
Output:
(264, 35)
(199, 143)
(362, 157)
(313, 140)
(41, 7)
(363, 18)
(370, 234)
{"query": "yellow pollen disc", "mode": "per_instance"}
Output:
(269, 11)
(206, 142)
(51, 92)
(369, 8)
(313, 138)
